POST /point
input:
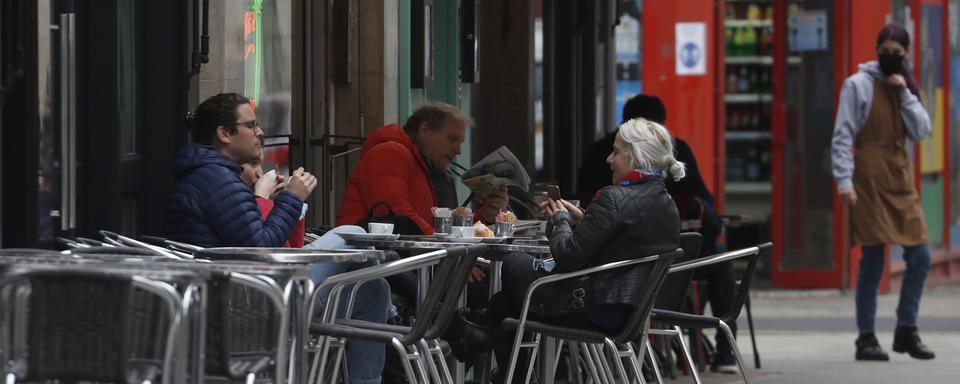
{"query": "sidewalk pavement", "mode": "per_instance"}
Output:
(808, 337)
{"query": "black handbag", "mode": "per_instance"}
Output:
(381, 212)
(562, 298)
(559, 298)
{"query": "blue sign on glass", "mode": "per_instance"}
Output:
(807, 31)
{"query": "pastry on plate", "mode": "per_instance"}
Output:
(482, 230)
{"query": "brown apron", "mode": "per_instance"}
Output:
(888, 207)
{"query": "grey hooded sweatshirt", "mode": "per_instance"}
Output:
(854, 107)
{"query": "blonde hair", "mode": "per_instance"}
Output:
(650, 146)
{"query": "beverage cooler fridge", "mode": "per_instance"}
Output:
(759, 117)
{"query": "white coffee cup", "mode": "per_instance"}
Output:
(380, 228)
(272, 174)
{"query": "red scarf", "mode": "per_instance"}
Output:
(633, 177)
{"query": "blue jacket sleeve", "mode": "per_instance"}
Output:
(234, 218)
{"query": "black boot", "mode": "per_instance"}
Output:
(906, 339)
(869, 349)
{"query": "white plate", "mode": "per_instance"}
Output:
(368, 236)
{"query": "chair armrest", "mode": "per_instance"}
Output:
(714, 259)
(374, 326)
(339, 281)
(754, 253)
(684, 320)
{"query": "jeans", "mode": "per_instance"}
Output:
(365, 359)
(868, 279)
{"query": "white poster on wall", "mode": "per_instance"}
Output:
(691, 49)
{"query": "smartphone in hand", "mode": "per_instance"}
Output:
(553, 192)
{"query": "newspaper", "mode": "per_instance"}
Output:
(496, 171)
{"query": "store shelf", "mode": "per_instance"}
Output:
(760, 60)
(747, 135)
(747, 98)
(748, 187)
(748, 23)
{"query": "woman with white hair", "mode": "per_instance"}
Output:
(632, 218)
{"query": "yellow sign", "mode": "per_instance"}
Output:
(931, 149)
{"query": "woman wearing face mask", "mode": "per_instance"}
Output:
(879, 110)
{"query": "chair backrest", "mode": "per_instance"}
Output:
(81, 326)
(635, 324)
(455, 286)
(449, 278)
(243, 328)
(674, 291)
(744, 289)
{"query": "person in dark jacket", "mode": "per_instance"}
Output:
(212, 206)
(694, 200)
(634, 217)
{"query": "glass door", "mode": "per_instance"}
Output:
(803, 210)
(56, 112)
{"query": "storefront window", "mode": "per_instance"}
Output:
(267, 72)
(628, 54)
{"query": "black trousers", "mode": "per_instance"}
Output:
(721, 283)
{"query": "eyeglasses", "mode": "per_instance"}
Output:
(252, 124)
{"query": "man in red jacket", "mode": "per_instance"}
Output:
(406, 169)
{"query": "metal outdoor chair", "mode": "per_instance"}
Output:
(247, 328)
(686, 320)
(417, 343)
(247, 322)
(672, 296)
(593, 341)
(51, 331)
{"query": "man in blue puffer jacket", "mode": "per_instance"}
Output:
(212, 207)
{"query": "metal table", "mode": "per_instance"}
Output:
(289, 255)
(423, 243)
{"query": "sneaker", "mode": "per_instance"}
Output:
(725, 363)
(906, 339)
(869, 349)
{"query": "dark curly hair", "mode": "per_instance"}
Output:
(646, 106)
(218, 110)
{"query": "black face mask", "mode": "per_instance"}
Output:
(890, 63)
